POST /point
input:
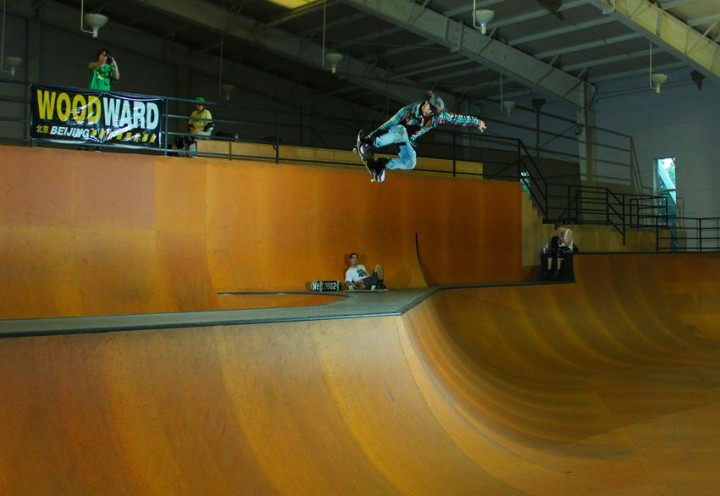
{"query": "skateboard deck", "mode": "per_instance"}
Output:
(365, 158)
(366, 290)
(326, 286)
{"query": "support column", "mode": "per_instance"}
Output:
(537, 104)
(585, 138)
(32, 71)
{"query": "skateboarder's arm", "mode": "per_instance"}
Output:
(461, 120)
(356, 285)
(458, 120)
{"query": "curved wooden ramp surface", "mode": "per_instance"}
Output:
(119, 233)
(604, 387)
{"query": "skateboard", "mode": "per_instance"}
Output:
(366, 290)
(325, 286)
(366, 158)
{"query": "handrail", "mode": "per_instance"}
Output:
(503, 158)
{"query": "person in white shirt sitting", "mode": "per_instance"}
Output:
(358, 278)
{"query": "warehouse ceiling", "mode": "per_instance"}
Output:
(390, 50)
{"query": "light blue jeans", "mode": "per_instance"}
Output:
(407, 157)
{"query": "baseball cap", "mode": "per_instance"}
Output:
(437, 103)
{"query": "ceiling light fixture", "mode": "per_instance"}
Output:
(657, 79)
(95, 21)
(291, 4)
(334, 58)
(508, 106)
(226, 90)
(481, 17)
(12, 63)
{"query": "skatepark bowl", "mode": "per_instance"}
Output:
(132, 363)
(607, 386)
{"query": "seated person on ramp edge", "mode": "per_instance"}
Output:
(561, 246)
(406, 126)
(357, 277)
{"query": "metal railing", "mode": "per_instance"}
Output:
(688, 234)
(498, 158)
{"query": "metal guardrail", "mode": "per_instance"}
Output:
(502, 158)
(688, 234)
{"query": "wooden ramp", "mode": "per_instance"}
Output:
(97, 234)
(608, 386)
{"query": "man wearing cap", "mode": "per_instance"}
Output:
(200, 118)
(406, 126)
(199, 124)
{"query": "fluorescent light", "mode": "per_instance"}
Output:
(291, 4)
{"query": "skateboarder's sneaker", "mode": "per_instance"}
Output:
(376, 172)
(381, 286)
(379, 169)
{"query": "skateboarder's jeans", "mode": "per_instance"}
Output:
(398, 135)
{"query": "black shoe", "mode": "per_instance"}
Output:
(379, 167)
(381, 286)
(381, 164)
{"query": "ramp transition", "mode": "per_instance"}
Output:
(607, 386)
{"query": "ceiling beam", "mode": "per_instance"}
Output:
(457, 37)
(156, 48)
(285, 44)
(672, 34)
(587, 46)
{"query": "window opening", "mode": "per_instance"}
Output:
(525, 182)
(665, 186)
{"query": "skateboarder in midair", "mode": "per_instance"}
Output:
(406, 126)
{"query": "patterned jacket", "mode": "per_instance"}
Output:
(411, 117)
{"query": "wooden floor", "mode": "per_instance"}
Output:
(610, 386)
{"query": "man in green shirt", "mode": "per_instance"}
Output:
(103, 71)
